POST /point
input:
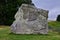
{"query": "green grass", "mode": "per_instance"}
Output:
(54, 24)
(5, 34)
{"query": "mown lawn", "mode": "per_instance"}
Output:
(5, 34)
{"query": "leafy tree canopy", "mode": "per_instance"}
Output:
(8, 9)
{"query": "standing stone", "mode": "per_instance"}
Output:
(30, 20)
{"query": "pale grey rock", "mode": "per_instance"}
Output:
(30, 20)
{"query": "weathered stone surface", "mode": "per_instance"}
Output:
(30, 20)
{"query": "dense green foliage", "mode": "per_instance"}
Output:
(7, 11)
(8, 8)
(58, 18)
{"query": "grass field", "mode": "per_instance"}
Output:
(52, 35)
(54, 24)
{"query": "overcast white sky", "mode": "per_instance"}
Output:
(52, 5)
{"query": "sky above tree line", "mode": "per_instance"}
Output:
(52, 5)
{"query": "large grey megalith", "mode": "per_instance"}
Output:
(30, 20)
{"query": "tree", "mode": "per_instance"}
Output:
(58, 18)
(8, 8)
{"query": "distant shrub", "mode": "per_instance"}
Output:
(58, 18)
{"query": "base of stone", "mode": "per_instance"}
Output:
(27, 33)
